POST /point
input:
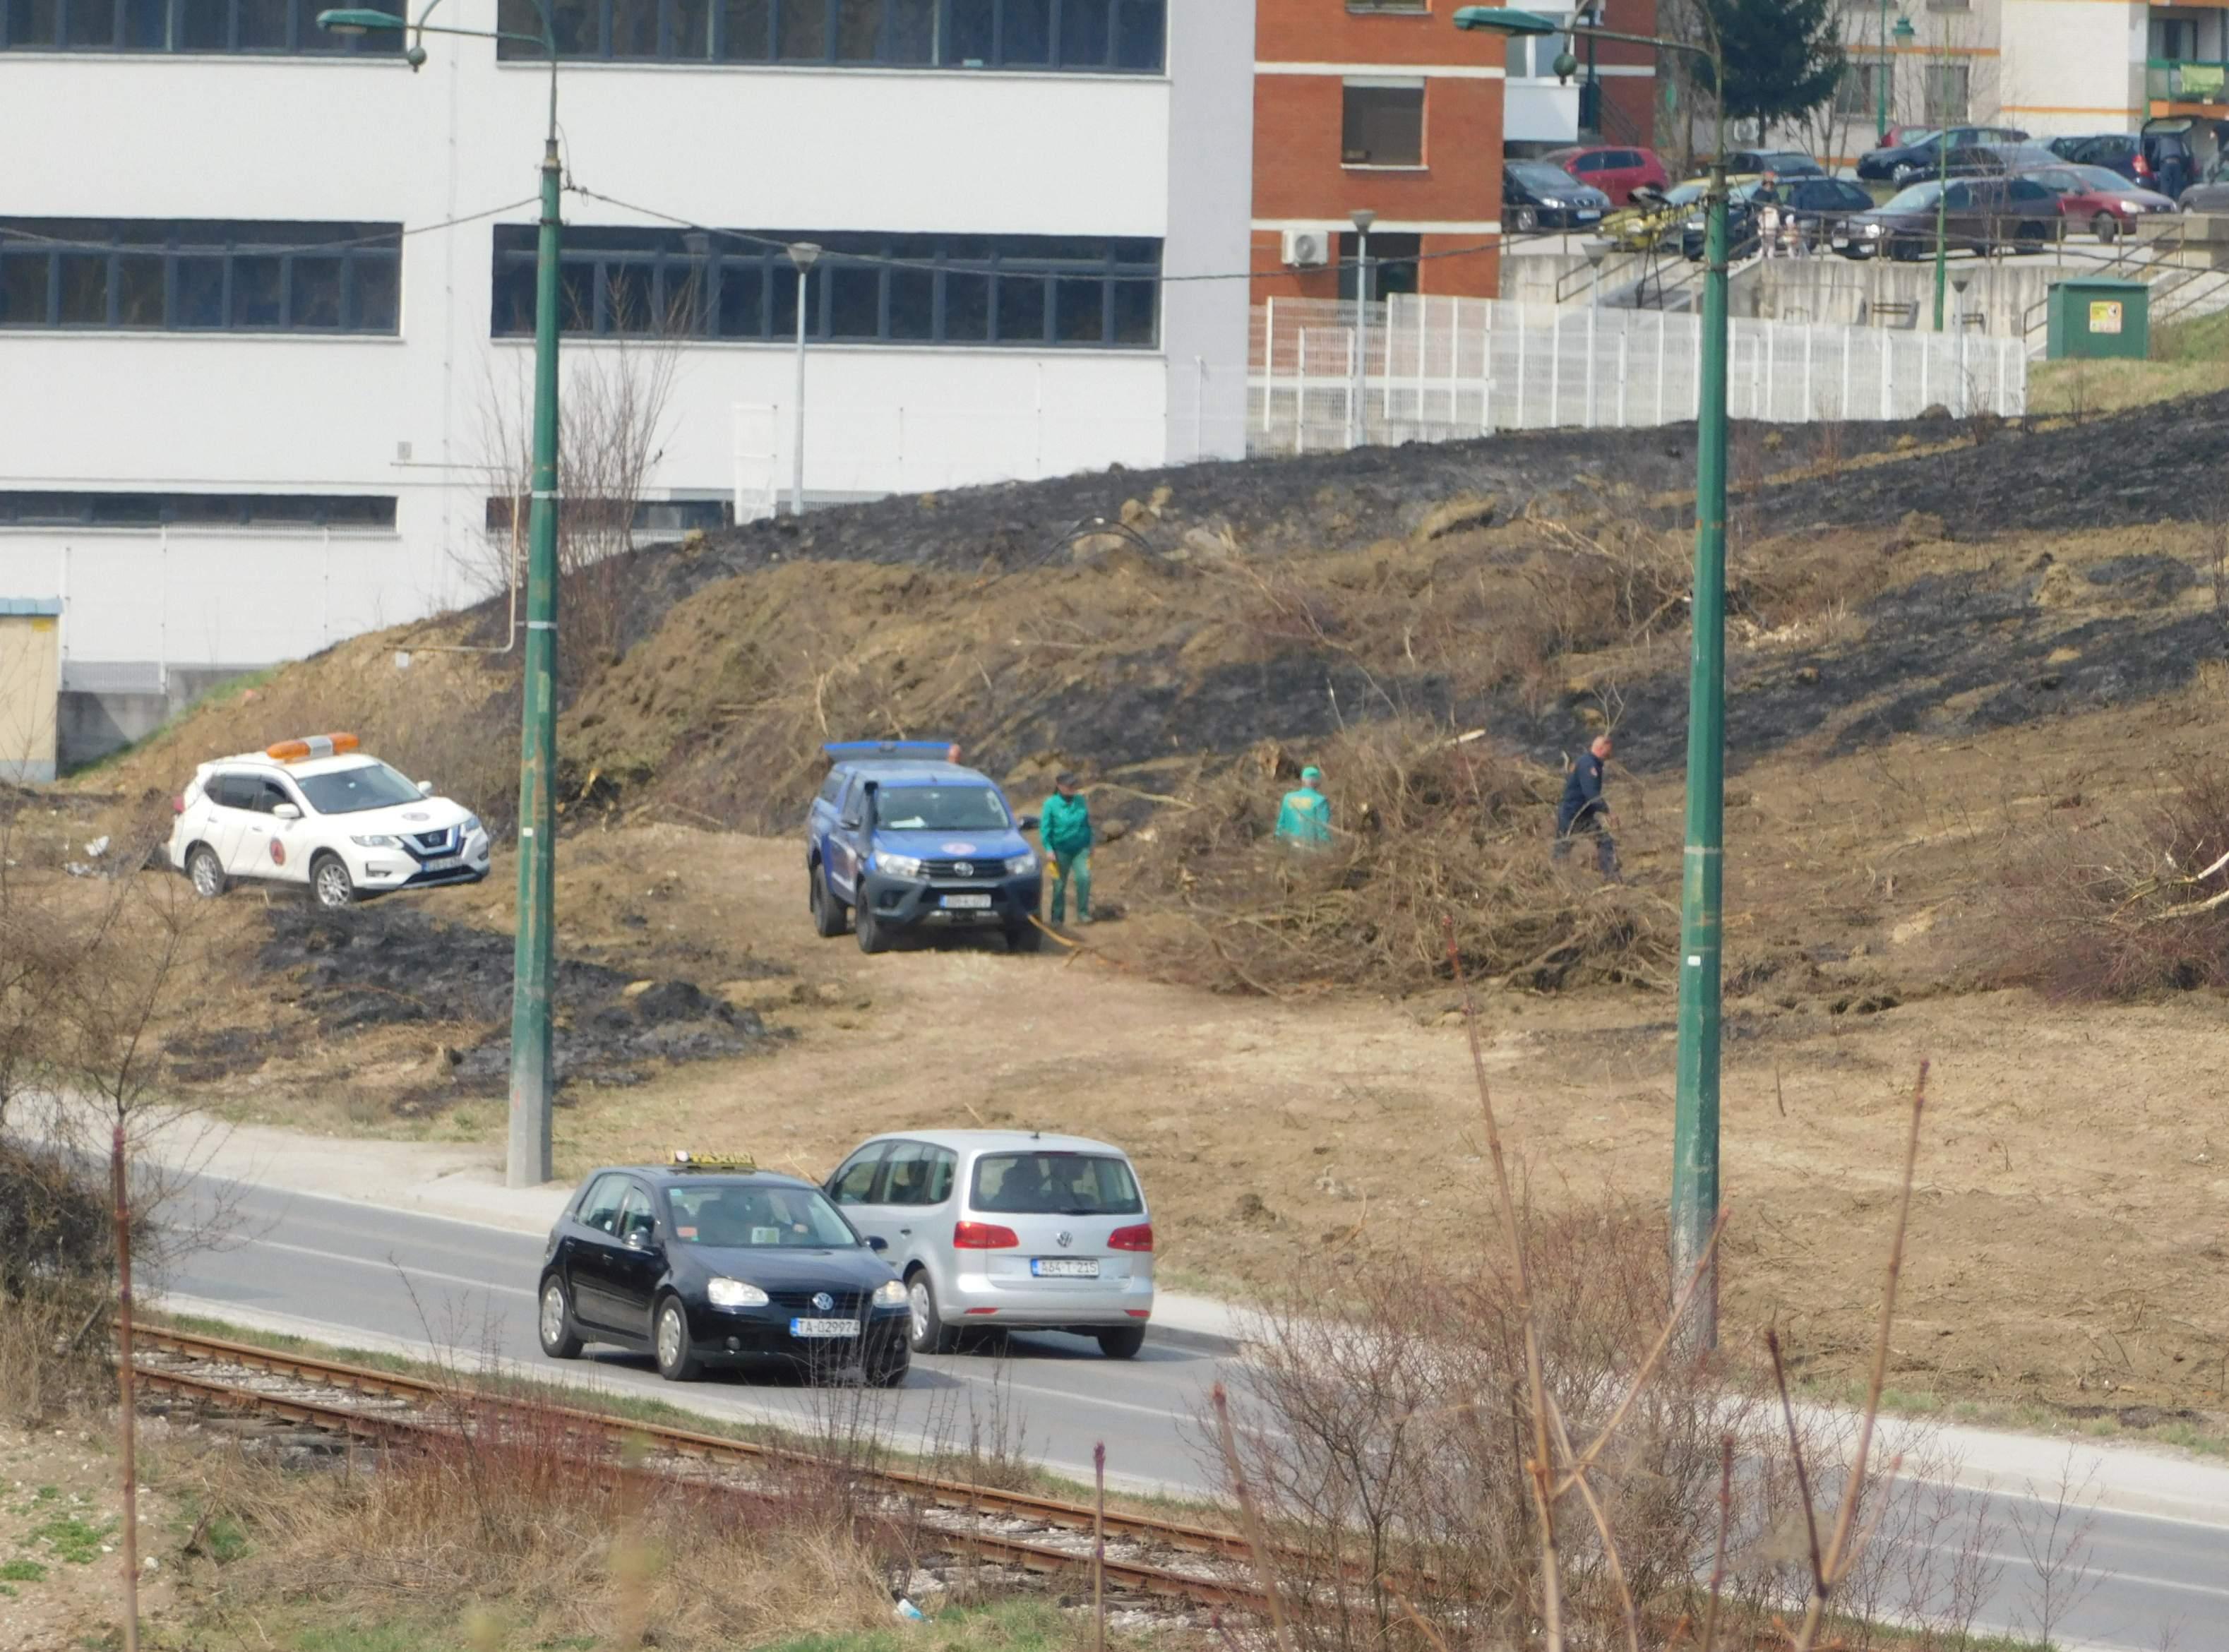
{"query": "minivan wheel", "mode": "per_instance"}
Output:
(827, 910)
(330, 885)
(204, 871)
(559, 1339)
(926, 1331)
(676, 1360)
(1121, 1341)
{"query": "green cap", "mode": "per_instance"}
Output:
(1311, 773)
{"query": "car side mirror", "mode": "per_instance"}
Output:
(849, 823)
(878, 1244)
(638, 1240)
(1027, 823)
(425, 788)
(285, 812)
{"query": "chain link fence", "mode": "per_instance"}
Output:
(1431, 368)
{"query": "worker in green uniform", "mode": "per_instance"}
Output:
(1064, 825)
(1304, 818)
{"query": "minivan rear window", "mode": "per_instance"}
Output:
(1056, 1183)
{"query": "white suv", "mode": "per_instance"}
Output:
(315, 813)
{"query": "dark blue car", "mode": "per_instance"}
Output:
(712, 1261)
(899, 838)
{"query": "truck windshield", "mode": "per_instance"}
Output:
(940, 808)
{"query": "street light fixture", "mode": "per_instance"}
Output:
(1359, 391)
(527, 1161)
(804, 255)
(1695, 1119)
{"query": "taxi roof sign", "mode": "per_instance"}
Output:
(683, 1159)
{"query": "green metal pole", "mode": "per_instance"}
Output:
(1880, 83)
(1942, 202)
(1695, 1111)
(531, 1076)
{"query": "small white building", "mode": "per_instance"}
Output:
(265, 296)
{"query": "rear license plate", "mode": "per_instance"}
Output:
(1064, 1267)
(978, 901)
(1589, 217)
(824, 1327)
(445, 864)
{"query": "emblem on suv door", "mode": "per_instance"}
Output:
(823, 1301)
(1063, 1238)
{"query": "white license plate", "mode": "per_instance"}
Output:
(979, 903)
(1064, 1267)
(824, 1327)
(1589, 217)
(445, 864)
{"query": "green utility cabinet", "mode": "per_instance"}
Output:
(2099, 317)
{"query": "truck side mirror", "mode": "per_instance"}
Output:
(1027, 823)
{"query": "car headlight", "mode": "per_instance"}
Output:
(2132, 206)
(733, 1293)
(891, 1293)
(898, 865)
(1021, 865)
(1872, 229)
(377, 840)
(1553, 201)
(472, 824)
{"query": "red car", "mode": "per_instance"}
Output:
(1615, 171)
(2100, 199)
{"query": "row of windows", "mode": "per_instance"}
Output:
(21, 509)
(205, 275)
(648, 516)
(1103, 35)
(275, 26)
(1126, 36)
(1029, 289)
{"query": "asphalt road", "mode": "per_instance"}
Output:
(358, 1275)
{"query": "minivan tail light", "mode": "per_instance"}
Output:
(1139, 1238)
(984, 1235)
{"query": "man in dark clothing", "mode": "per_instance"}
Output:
(1584, 810)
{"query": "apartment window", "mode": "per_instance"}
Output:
(1388, 5)
(1393, 266)
(276, 26)
(1061, 292)
(1948, 87)
(200, 275)
(1857, 95)
(296, 511)
(1533, 56)
(1382, 123)
(1103, 36)
(649, 516)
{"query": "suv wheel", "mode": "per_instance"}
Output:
(1121, 1341)
(927, 1332)
(872, 936)
(559, 1339)
(330, 885)
(204, 871)
(827, 910)
(676, 1360)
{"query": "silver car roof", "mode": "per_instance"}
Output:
(1000, 1141)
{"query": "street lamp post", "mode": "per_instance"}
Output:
(1881, 74)
(804, 255)
(528, 1161)
(1359, 392)
(1695, 1115)
(1942, 206)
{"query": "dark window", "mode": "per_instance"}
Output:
(1126, 35)
(29, 509)
(599, 1207)
(920, 1175)
(1055, 1183)
(651, 516)
(1392, 263)
(186, 274)
(1076, 292)
(230, 791)
(855, 1183)
(276, 26)
(1383, 126)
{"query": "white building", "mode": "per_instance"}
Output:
(266, 295)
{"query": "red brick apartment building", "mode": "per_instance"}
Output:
(1385, 105)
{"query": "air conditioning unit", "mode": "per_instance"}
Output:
(1306, 249)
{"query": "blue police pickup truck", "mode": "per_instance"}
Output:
(900, 838)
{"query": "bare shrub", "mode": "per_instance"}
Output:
(1428, 825)
(2121, 911)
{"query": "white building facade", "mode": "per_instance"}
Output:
(265, 296)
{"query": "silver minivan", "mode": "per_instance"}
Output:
(1008, 1227)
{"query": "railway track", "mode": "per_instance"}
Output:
(1163, 1560)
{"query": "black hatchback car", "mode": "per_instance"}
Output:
(1537, 195)
(712, 1262)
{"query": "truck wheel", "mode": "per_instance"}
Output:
(872, 936)
(827, 910)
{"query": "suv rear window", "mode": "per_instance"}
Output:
(1056, 1183)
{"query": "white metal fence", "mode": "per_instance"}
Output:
(1435, 368)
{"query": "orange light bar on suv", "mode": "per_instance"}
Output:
(317, 745)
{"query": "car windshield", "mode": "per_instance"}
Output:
(1538, 175)
(1912, 137)
(1911, 200)
(1789, 160)
(1056, 1183)
(1687, 194)
(739, 1216)
(940, 808)
(352, 791)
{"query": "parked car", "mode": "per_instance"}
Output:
(1655, 216)
(1782, 164)
(1007, 1228)
(1822, 207)
(320, 815)
(1617, 172)
(2211, 192)
(899, 838)
(710, 1261)
(2099, 199)
(1535, 196)
(2161, 160)
(1901, 162)
(1980, 215)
